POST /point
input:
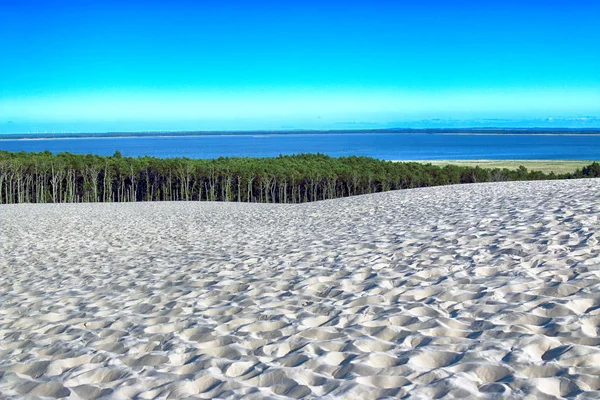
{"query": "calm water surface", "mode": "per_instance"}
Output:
(390, 146)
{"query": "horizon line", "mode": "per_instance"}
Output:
(472, 130)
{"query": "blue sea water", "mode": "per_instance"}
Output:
(389, 146)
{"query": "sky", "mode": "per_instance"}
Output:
(96, 66)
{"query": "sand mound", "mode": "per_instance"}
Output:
(473, 291)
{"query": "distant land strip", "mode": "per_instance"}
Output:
(453, 131)
(545, 166)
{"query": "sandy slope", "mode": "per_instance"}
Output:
(463, 291)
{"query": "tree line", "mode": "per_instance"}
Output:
(72, 178)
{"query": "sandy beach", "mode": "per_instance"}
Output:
(545, 166)
(471, 291)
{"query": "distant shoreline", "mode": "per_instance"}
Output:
(546, 166)
(158, 134)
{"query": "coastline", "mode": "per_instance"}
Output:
(468, 132)
(546, 166)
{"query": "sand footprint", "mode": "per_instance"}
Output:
(45, 389)
(384, 382)
(429, 360)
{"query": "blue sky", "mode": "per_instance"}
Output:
(184, 65)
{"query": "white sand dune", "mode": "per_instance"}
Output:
(470, 291)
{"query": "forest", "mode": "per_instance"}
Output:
(71, 178)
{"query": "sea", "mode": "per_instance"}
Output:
(386, 146)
